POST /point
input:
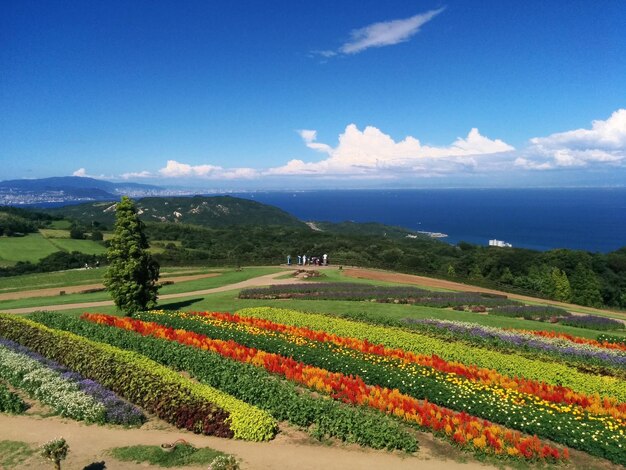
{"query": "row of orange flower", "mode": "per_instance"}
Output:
(575, 339)
(466, 430)
(551, 393)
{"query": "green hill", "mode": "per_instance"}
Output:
(216, 211)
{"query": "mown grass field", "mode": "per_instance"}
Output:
(35, 246)
(225, 278)
(229, 301)
(32, 247)
(76, 277)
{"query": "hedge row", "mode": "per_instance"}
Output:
(145, 383)
(508, 364)
(321, 416)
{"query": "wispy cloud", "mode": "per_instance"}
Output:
(384, 33)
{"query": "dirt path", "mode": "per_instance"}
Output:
(265, 280)
(76, 289)
(291, 450)
(388, 276)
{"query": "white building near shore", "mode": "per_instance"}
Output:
(500, 243)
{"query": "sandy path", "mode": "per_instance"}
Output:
(265, 280)
(49, 292)
(289, 451)
(388, 276)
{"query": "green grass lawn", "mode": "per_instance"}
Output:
(13, 453)
(76, 277)
(32, 247)
(182, 455)
(61, 224)
(54, 279)
(54, 233)
(227, 277)
(88, 247)
(228, 302)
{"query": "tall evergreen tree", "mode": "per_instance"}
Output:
(585, 287)
(562, 288)
(132, 275)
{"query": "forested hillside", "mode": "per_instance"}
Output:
(217, 211)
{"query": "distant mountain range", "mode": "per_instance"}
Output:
(215, 211)
(70, 189)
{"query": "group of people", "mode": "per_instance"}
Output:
(304, 260)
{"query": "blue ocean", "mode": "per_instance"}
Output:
(540, 219)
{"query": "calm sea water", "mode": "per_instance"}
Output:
(541, 219)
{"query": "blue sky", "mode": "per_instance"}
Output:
(317, 94)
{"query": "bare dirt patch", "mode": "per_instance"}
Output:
(292, 449)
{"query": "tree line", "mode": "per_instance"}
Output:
(592, 279)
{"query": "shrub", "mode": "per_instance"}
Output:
(55, 450)
(10, 402)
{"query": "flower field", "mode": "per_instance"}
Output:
(63, 389)
(596, 356)
(144, 383)
(353, 381)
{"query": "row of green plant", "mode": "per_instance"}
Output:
(510, 408)
(612, 339)
(144, 382)
(10, 402)
(530, 312)
(47, 386)
(285, 401)
(508, 364)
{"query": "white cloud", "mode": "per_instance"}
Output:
(138, 174)
(361, 153)
(384, 33)
(609, 134)
(603, 144)
(174, 169)
(372, 154)
(82, 173)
